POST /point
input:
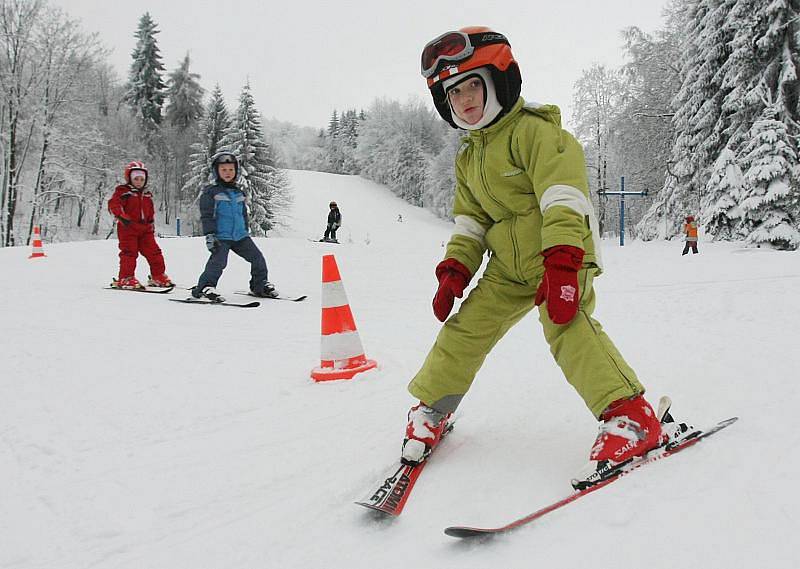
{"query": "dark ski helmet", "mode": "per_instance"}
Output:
(456, 53)
(136, 166)
(332, 204)
(224, 157)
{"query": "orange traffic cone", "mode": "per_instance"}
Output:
(37, 244)
(342, 352)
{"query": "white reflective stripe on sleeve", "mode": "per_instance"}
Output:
(333, 294)
(468, 227)
(574, 199)
(341, 346)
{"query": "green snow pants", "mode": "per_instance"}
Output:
(586, 355)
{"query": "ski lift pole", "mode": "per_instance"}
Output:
(622, 193)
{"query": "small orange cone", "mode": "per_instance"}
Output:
(37, 244)
(342, 352)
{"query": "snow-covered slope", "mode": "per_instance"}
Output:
(140, 433)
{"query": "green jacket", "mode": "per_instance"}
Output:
(521, 187)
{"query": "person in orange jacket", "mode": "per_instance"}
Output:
(690, 230)
(132, 206)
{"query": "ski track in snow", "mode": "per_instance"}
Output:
(136, 432)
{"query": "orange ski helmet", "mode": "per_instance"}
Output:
(457, 52)
(135, 166)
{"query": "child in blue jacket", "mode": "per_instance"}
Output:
(223, 216)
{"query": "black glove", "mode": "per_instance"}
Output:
(124, 221)
(212, 242)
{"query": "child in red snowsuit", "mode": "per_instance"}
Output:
(132, 205)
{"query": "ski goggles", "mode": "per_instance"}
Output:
(226, 159)
(452, 47)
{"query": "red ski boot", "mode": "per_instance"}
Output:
(160, 282)
(128, 283)
(630, 428)
(424, 429)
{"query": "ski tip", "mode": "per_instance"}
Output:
(377, 509)
(463, 532)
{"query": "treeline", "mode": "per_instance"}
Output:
(705, 115)
(406, 147)
(68, 124)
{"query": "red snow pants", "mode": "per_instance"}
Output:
(136, 238)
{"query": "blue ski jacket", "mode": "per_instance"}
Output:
(223, 212)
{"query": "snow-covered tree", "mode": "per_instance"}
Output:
(408, 170)
(19, 79)
(333, 125)
(298, 148)
(440, 179)
(212, 128)
(184, 97)
(596, 99)
(770, 181)
(67, 56)
(723, 193)
(763, 103)
(265, 186)
(146, 88)
(699, 120)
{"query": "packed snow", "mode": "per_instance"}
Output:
(141, 433)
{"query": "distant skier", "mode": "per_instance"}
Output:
(223, 215)
(334, 223)
(521, 192)
(690, 231)
(132, 206)
(400, 217)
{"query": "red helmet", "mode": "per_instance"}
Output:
(455, 53)
(135, 166)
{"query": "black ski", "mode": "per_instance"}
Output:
(289, 298)
(192, 300)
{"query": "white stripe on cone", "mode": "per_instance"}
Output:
(341, 346)
(333, 295)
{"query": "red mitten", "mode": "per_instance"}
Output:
(559, 287)
(453, 279)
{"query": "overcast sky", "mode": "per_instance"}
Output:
(305, 59)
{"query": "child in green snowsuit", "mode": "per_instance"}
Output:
(521, 193)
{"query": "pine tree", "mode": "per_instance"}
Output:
(720, 206)
(771, 182)
(700, 123)
(145, 89)
(265, 186)
(214, 124)
(333, 125)
(348, 141)
(764, 109)
(185, 96)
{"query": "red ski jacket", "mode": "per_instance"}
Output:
(132, 204)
